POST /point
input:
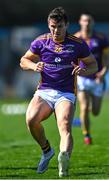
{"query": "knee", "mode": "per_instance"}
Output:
(64, 126)
(31, 119)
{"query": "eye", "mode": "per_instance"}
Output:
(60, 26)
(52, 26)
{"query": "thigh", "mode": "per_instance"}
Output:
(38, 109)
(64, 112)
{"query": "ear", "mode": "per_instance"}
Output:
(48, 25)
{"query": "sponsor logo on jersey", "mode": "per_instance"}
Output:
(58, 59)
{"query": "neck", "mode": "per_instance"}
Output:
(60, 39)
(86, 33)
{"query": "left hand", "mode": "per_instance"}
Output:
(78, 70)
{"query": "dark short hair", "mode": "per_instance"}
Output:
(58, 14)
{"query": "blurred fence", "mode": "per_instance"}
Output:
(14, 42)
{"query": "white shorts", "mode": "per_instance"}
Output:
(90, 85)
(54, 97)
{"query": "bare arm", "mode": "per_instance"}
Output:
(105, 64)
(31, 61)
(90, 66)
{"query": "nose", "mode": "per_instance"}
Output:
(56, 30)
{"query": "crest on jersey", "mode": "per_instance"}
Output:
(58, 49)
(58, 59)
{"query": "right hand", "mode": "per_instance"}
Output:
(39, 67)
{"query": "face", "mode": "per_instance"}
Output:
(57, 29)
(86, 22)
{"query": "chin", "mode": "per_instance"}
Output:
(56, 39)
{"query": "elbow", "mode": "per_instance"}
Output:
(22, 63)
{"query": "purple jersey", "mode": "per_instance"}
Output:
(98, 42)
(58, 59)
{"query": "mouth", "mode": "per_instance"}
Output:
(56, 35)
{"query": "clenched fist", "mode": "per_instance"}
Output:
(39, 67)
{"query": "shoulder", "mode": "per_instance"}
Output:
(74, 38)
(42, 37)
(77, 34)
(100, 35)
(38, 41)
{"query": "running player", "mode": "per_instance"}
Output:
(55, 55)
(92, 87)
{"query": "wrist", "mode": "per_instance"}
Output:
(35, 67)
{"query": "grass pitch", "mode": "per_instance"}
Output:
(19, 154)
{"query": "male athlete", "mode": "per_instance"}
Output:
(91, 87)
(56, 55)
